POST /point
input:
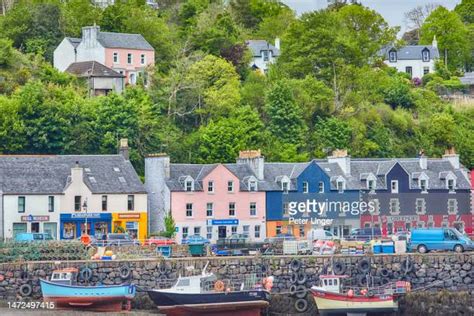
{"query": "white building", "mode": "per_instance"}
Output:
(263, 53)
(415, 60)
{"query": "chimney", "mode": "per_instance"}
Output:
(123, 148)
(435, 42)
(342, 159)
(77, 173)
(89, 35)
(423, 160)
(254, 159)
(451, 156)
(277, 43)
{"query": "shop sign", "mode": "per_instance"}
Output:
(225, 222)
(408, 218)
(34, 218)
(84, 215)
(129, 216)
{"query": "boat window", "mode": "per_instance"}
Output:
(64, 276)
(55, 275)
(335, 281)
(183, 282)
(329, 282)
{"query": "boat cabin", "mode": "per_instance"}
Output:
(332, 283)
(64, 276)
(194, 284)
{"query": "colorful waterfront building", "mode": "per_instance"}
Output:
(56, 193)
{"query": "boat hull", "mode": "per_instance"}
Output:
(241, 303)
(329, 303)
(96, 298)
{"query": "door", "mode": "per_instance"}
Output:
(51, 228)
(35, 227)
(450, 239)
(222, 232)
(19, 228)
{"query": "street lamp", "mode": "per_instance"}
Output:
(84, 208)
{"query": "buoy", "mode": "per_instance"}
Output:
(350, 293)
(219, 286)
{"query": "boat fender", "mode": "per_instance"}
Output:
(384, 272)
(370, 293)
(125, 272)
(85, 274)
(364, 266)
(362, 281)
(293, 290)
(294, 278)
(301, 291)
(302, 277)
(295, 264)
(219, 286)
(301, 305)
(407, 265)
(26, 290)
(339, 267)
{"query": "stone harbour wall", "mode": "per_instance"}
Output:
(450, 273)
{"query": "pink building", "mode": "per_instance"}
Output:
(127, 54)
(210, 200)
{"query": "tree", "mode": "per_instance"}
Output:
(330, 134)
(77, 14)
(250, 13)
(452, 36)
(415, 17)
(465, 10)
(170, 227)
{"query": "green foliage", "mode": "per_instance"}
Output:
(170, 227)
(465, 10)
(330, 134)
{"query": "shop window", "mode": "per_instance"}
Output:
(83, 228)
(51, 228)
(104, 203)
(100, 230)
(257, 231)
(367, 225)
(232, 209)
(209, 232)
(253, 209)
(246, 230)
(305, 187)
(69, 230)
(278, 229)
(131, 202)
(210, 186)
(189, 209)
(21, 204)
(185, 232)
(19, 228)
(209, 209)
(234, 229)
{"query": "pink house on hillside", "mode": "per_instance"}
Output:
(127, 54)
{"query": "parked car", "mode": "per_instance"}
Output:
(159, 241)
(426, 239)
(195, 239)
(119, 240)
(365, 234)
(238, 238)
(33, 237)
(320, 234)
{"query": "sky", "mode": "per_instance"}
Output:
(392, 10)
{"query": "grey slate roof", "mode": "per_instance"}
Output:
(74, 41)
(410, 52)
(468, 78)
(92, 69)
(51, 174)
(257, 46)
(123, 40)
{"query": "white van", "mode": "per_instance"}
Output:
(320, 234)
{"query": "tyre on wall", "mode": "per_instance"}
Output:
(293, 289)
(362, 281)
(24, 275)
(85, 274)
(385, 281)
(339, 267)
(301, 291)
(125, 272)
(384, 272)
(301, 305)
(302, 277)
(294, 278)
(295, 264)
(364, 266)
(25, 290)
(164, 268)
(422, 249)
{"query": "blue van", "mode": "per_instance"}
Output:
(446, 238)
(33, 237)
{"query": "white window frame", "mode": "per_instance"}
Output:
(394, 189)
(142, 59)
(286, 209)
(129, 58)
(253, 209)
(210, 186)
(340, 185)
(371, 184)
(454, 207)
(394, 209)
(425, 189)
(427, 52)
(305, 187)
(420, 209)
(253, 186)
(448, 180)
(185, 231)
(230, 186)
(209, 232)
(209, 207)
(116, 58)
(234, 229)
(392, 56)
(246, 230)
(189, 185)
(189, 209)
(285, 186)
(321, 187)
(197, 230)
(232, 209)
(257, 231)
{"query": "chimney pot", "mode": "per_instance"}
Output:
(123, 149)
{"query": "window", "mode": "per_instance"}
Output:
(426, 55)
(246, 230)
(77, 203)
(209, 232)
(285, 186)
(409, 70)
(21, 204)
(129, 58)
(451, 185)
(394, 186)
(131, 202)
(426, 70)
(423, 185)
(340, 186)
(266, 55)
(452, 206)
(230, 186)
(305, 187)
(197, 230)
(142, 59)
(189, 209)
(420, 206)
(394, 206)
(257, 231)
(50, 204)
(122, 180)
(116, 58)
(209, 209)
(253, 209)
(104, 202)
(371, 185)
(253, 185)
(278, 229)
(188, 185)
(234, 229)
(321, 187)
(185, 232)
(210, 186)
(232, 209)
(301, 230)
(392, 56)
(390, 228)
(408, 226)
(285, 209)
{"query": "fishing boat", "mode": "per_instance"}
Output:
(204, 294)
(332, 299)
(64, 293)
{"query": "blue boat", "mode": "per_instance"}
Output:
(63, 293)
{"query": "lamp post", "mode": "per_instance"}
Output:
(84, 208)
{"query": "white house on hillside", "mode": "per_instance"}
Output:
(415, 60)
(263, 53)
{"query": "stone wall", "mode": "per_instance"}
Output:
(453, 272)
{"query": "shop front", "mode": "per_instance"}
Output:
(35, 224)
(73, 225)
(135, 224)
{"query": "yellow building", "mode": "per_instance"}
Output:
(135, 224)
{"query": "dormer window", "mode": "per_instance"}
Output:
(423, 185)
(230, 186)
(252, 185)
(371, 185)
(392, 56)
(285, 186)
(188, 185)
(321, 187)
(305, 187)
(425, 55)
(266, 55)
(340, 186)
(451, 184)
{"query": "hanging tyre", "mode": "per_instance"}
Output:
(301, 291)
(364, 266)
(26, 290)
(293, 289)
(294, 278)
(301, 305)
(407, 265)
(362, 281)
(125, 272)
(302, 277)
(384, 272)
(339, 268)
(295, 264)
(85, 274)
